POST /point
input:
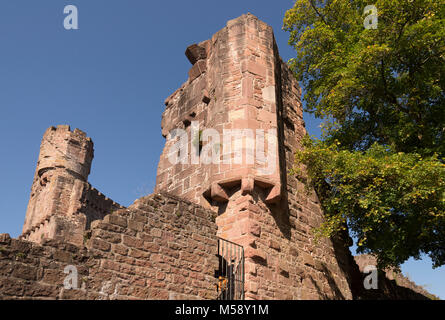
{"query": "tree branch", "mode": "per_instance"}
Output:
(391, 96)
(319, 14)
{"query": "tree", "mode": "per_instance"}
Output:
(379, 166)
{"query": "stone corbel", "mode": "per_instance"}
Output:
(274, 189)
(218, 191)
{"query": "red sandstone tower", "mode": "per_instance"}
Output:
(62, 203)
(238, 81)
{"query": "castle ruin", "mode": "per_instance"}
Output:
(170, 245)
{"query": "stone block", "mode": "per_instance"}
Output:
(198, 68)
(195, 53)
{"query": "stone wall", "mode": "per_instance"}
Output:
(95, 205)
(158, 248)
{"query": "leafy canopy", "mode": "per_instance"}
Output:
(379, 167)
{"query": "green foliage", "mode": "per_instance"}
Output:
(86, 237)
(392, 202)
(20, 255)
(379, 168)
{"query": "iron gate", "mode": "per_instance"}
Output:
(231, 271)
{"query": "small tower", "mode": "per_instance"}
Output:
(59, 182)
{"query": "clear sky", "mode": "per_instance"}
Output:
(109, 78)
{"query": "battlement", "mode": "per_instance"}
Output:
(62, 148)
(67, 128)
(99, 197)
(96, 205)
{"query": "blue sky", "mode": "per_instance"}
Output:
(109, 79)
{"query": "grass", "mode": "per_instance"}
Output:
(20, 255)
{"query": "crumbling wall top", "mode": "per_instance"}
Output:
(63, 148)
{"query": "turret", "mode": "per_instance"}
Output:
(61, 175)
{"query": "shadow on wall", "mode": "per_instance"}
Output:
(330, 279)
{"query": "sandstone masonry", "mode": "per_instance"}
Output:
(159, 248)
(165, 246)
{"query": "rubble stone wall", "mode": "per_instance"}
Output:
(159, 248)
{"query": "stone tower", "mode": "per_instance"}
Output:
(62, 203)
(239, 82)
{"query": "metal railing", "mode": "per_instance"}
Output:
(231, 271)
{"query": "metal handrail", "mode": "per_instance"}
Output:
(231, 270)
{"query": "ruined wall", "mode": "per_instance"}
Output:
(391, 284)
(158, 248)
(238, 81)
(62, 203)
